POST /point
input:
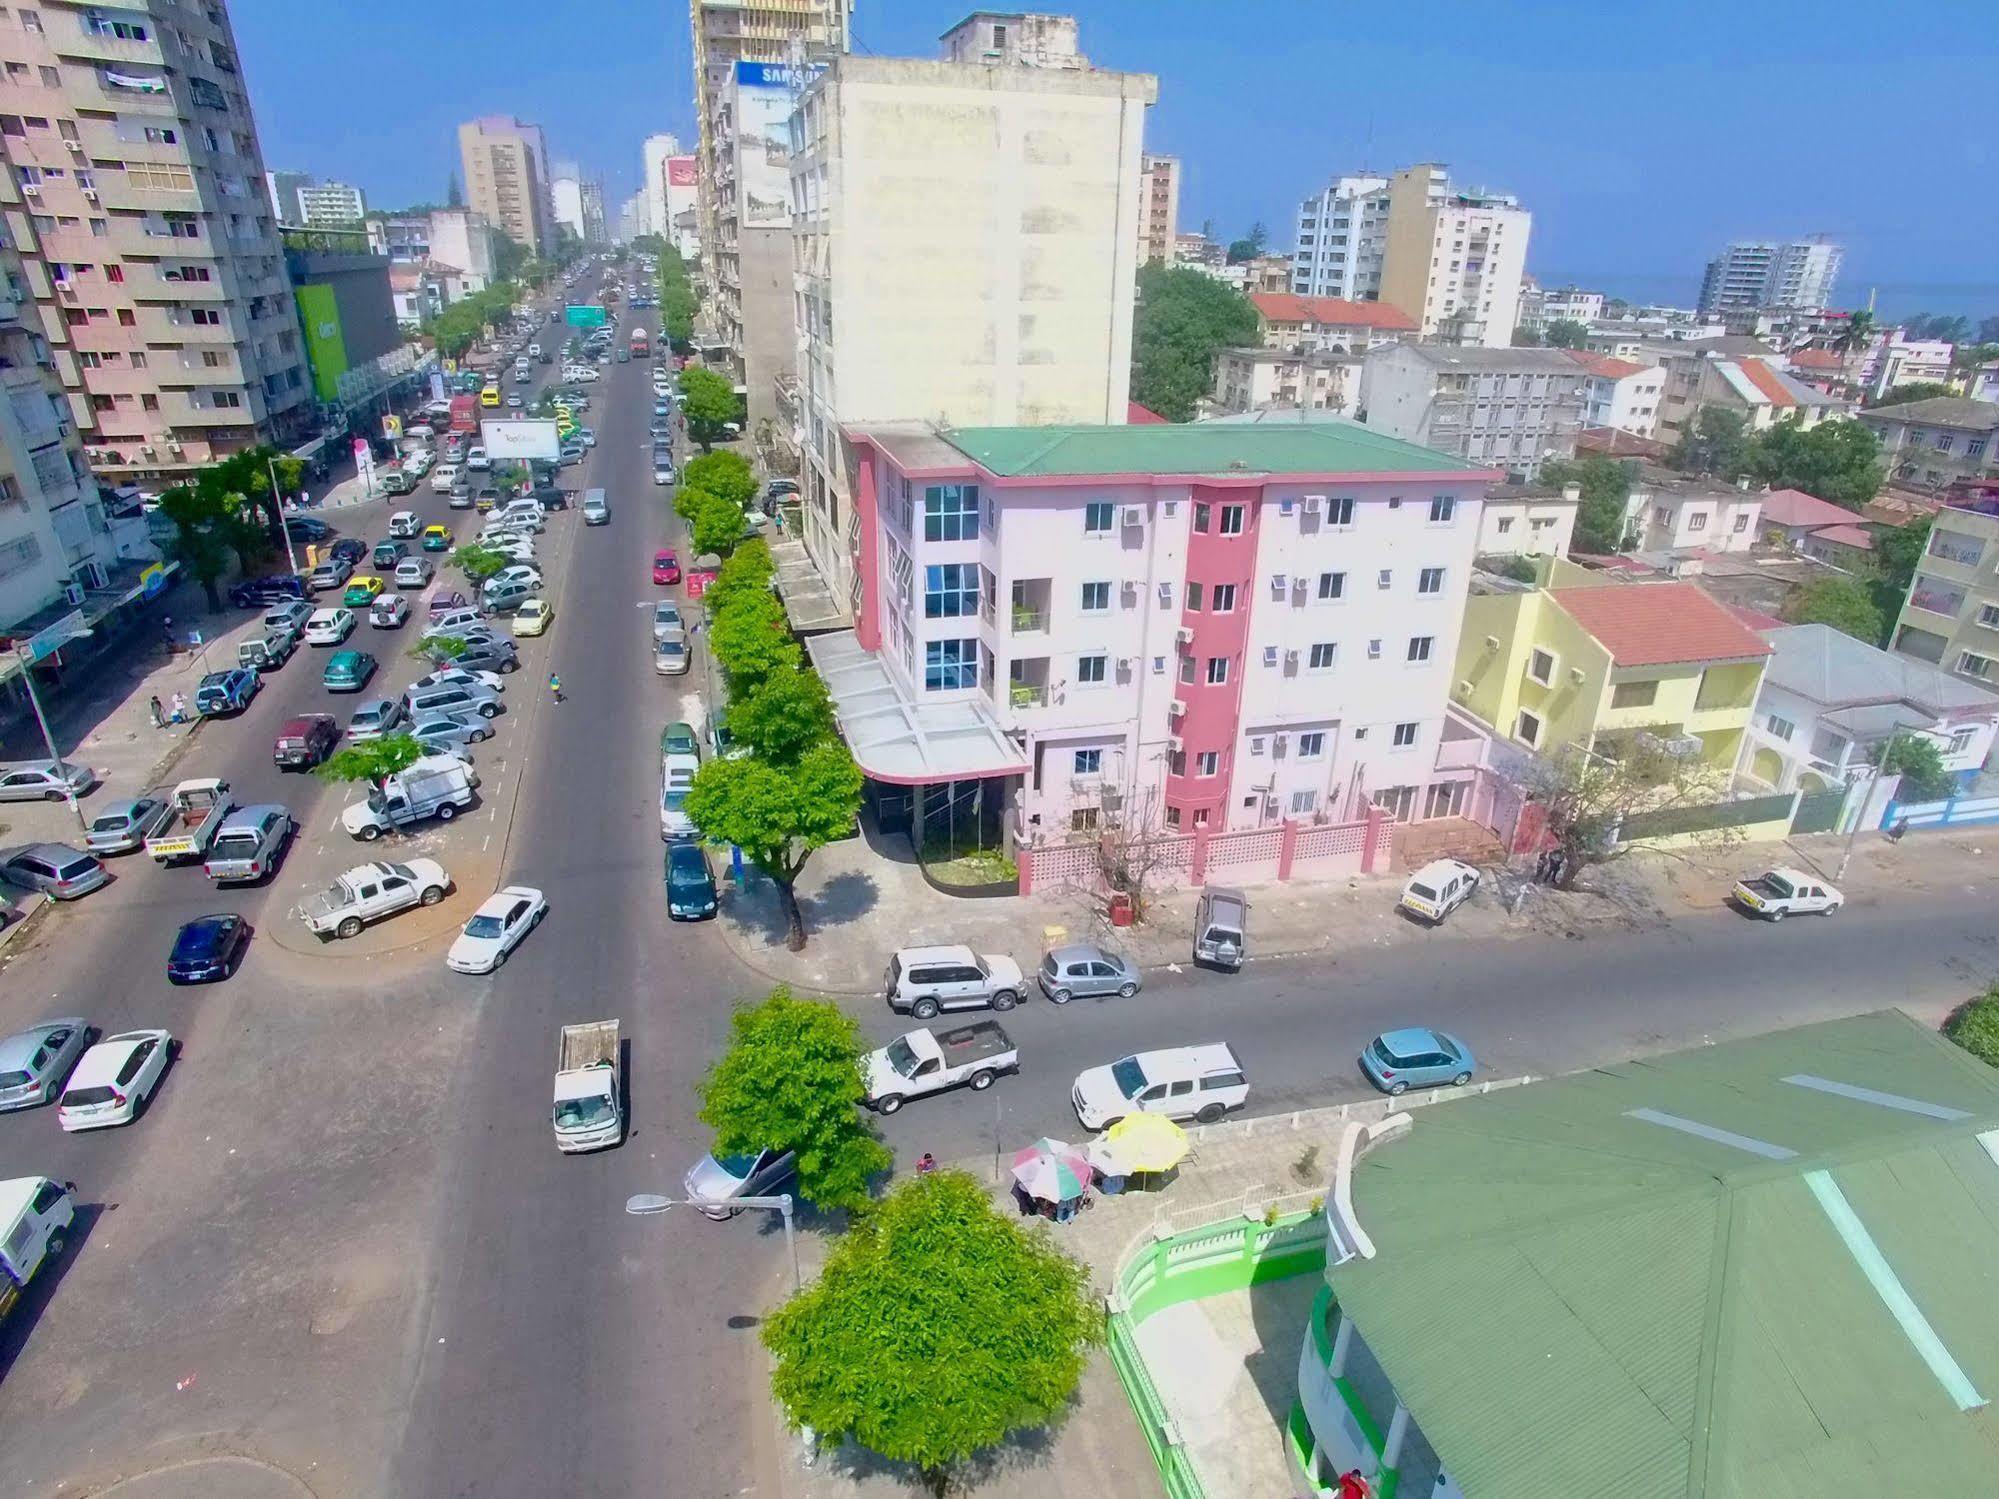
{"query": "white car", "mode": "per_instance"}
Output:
(417, 463)
(1781, 892)
(458, 676)
(1437, 889)
(1182, 1082)
(675, 778)
(443, 477)
(496, 928)
(389, 611)
(514, 547)
(329, 626)
(114, 1080)
(476, 461)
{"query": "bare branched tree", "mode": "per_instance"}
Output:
(1131, 844)
(1588, 799)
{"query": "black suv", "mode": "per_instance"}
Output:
(260, 593)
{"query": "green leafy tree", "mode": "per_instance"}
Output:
(1714, 442)
(1249, 246)
(440, 648)
(372, 760)
(1859, 331)
(725, 473)
(750, 640)
(1526, 338)
(1567, 333)
(1915, 390)
(716, 525)
(788, 714)
(1975, 1027)
(1918, 761)
(1950, 328)
(476, 562)
(1184, 319)
(1606, 487)
(747, 573)
(709, 403)
(1847, 604)
(204, 525)
(1839, 461)
(792, 1079)
(778, 815)
(1988, 331)
(938, 1329)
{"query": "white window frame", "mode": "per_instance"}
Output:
(1532, 741)
(1103, 660)
(1216, 664)
(1404, 736)
(1554, 666)
(1312, 744)
(1083, 594)
(1332, 654)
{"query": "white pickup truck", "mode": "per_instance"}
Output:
(921, 1062)
(368, 892)
(589, 1104)
(199, 809)
(1780, 892)
(435, 786)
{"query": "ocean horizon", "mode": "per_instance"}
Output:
(1892, 299)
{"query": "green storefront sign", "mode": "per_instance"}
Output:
(325, 346)
(584, 316)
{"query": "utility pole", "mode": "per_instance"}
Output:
(278, 494)
(49, 738)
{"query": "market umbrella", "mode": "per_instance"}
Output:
(1139, 1142)
(1051, 1171)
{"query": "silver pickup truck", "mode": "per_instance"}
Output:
(249, 843)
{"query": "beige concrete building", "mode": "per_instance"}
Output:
(136, 199)
(507, 178)
(965, 248)
(1159, 209)
(1305, 380)
(1951, 615)
(1453, 260)
(1014, 39)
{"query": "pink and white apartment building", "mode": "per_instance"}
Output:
(1214, 626)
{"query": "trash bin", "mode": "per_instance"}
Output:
(1120, 911)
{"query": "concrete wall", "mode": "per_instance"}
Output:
(1525, 527)
(770, 335)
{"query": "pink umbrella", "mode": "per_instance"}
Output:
(1051, 1171)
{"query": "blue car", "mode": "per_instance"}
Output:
(208, 949)
(1396, 1061)
(223, 692)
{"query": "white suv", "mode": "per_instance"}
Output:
(1181, 1082)
(923, 980)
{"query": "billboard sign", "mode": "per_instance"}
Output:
(392, 426)
(517, 441)
(765, 92)
(47, 641)
(583, 316)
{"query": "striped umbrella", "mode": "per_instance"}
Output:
(1051, 1171)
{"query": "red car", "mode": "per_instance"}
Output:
(665, 567)
(305, 741)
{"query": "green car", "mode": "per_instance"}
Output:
(678, 739)
(348, 671)
(436, 539)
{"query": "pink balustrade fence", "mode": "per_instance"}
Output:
(1287, 851)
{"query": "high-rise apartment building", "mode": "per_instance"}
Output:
(1772, 273)
(1342, 235)
(1454, 259)
(594, 230)
(298, 198)
(565, 195)
(683, 216)
(742, 49)
(654, 154)
(950, 267)
(507, 176)
(1158, 208)
(136, 199)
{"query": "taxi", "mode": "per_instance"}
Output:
(437, 538)
(361, 591)
(533, 617)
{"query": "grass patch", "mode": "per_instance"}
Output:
(1975, 1027)
(968, 866)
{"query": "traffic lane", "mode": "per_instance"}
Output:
(600, 1354)
(1532, 1005)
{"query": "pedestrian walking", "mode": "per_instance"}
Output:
(159, 713)
(926, 1164)
(555, 686)
(179, 709)
(167, 633)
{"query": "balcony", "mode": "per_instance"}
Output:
(1029, 606)
(1952, 546)
(1934, 598)
(1027, 683)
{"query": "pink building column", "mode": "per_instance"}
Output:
(1287, 847)
(1197, 867)
(1377, 838)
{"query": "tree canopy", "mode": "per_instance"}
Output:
(1919, 763)
(709, 403)
(791, 1080)
(1566, 333)
(1714, 442)
(1839, 461)
(228, 506)
(463, 323)
(1587, 799)
(788, 714)
(938, 1328)
(1250, 245)
(716, 524)
(725, 473)
(1606, 487)
(1915, 390)
(777, 815)
(372, 760)
(476, 562)
(1846, 604)
(1183, 319)
(750, 640)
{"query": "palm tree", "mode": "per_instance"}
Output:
(1858, 334)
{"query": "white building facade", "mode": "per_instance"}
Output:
(1455, 258)
(1621, 393)
(1342, 233)
(1175, 618)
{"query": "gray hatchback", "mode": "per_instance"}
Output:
(1082, 969)
(34, 1062)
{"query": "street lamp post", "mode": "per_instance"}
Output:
(646, 1204)
(278, 494)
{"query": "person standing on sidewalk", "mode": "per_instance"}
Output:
(159, 713)
(180, 710)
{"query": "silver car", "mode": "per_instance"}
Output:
(713, 1180)
(374, 719)
(123, 826)
(34, 1062)
(666, 621)
(43, 780)
(1086, 970)
(57, 870)
(448, 732)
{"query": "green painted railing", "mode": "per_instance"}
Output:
(1212, 1260)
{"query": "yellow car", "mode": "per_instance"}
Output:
(490, 396)
(361, 591)
(437, 538)
(533, 617)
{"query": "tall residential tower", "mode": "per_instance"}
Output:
(507, 178)
(1753, 273)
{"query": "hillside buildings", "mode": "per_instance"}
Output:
(1933, 443)
(1752, 274)
(507, 178)
(136, 200)
(1951, 615)
(947, 267)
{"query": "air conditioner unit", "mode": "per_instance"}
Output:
(1313, 503)
(1279, 743)
(90, 195)
(1577, 675)
(31, 190)
(72, 594)
(1134, 515)
(1177, 708)
(1184, 636)
(145, 452)
(1176, 744)
(1124, 664)
(1130, 593)
(1290, 658)
(173, 447)
(1278, 583)
(1270, 655)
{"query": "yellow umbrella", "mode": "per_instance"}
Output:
(1145, 1142)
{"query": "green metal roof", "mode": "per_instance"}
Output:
(1218, 449)
(1575, 1301)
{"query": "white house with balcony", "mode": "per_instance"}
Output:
(1220, 625)
(1829, 703)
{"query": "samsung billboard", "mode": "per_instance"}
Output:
(765, 93)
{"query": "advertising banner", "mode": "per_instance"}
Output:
(765, 92)
(392, 427)
(519, 440)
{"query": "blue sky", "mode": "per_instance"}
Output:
(1641, 134)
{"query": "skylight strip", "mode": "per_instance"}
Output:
(1875, 1096)
(1719, 1136)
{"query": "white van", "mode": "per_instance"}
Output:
(1181, 1082)
(35, 1218)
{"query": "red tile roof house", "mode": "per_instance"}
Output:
(1289, 321)
(1823, 531)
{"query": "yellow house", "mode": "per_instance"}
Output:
(1588, 658)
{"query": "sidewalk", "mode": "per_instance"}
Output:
(866, 897)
